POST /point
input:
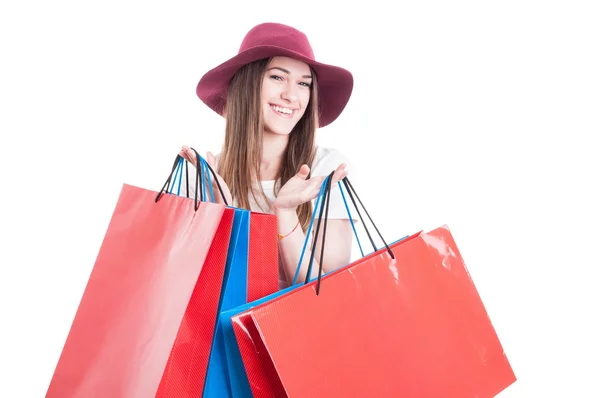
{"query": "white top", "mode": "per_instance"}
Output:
(326, 160)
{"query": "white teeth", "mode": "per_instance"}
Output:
(282, 110)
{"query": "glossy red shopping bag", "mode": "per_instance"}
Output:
(409, 326)
(264, 382)
(137, 295)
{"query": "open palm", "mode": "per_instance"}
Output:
(298, 190)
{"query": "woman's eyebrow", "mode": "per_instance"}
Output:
(288, 72)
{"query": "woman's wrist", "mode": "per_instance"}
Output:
(287, 221)
(289, 233)
(282, 211)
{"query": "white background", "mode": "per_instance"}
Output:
(479, 115)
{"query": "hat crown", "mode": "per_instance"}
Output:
(278, 35)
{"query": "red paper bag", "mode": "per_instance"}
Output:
(186, 368)
(263, 256)
(263, 246)
(260, 370)
(136, 297)
(413, 326)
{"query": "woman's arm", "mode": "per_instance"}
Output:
(338, 245)
(338, 240)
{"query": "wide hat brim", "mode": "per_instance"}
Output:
(335, 84)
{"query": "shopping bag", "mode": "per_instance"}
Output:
(186, 367)
(242, 356)
(263, 251)
(234, 293)
(251, 371)
(405, 320)
(263, 256)
(251, 271)
(136, 298)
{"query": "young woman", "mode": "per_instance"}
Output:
(274, 96)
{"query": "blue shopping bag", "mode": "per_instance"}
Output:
(233, 381)
(233, 294)
(234, 288)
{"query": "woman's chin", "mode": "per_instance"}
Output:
(278, 131)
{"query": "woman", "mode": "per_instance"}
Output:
(274, 96)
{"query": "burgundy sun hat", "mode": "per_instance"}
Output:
(269, 40)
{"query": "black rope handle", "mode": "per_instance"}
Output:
(199, 183)
(324, 234)
(325, 204)
(199, 180)
(314, 245)
(350, 190)
(199, 165)
(362, 221)
(187, 181)
(168, 182)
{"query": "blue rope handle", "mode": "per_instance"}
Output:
(203, 169)
(178, 175)
(209, 181)
(170, 189)
(309, 230)
(350, 218)
(202, 180)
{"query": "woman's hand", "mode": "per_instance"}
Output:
(298, 190)
(188, 154)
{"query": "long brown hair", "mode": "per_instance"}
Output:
(242, 148)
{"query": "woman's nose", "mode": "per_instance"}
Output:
(289, 93)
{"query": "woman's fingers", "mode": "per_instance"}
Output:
(313, 188)
(339, 174)
(303, 172)
(188, 154)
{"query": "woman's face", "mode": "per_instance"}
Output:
(285, 94)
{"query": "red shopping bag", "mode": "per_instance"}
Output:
(260, 370)
(263, 250)
(263, 256)
(405, 321)
(188, 362)
(136, 296)
(186, 367)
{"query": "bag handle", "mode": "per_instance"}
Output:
(309, 229)
(206, 167)
(323, 197)
(178, 161)
(350, 189)
(202, 167)
(312, 254)
(177, 173)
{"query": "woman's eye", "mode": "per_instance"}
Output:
(305, 84)
(276, 77)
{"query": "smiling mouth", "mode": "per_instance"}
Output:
(284, 112)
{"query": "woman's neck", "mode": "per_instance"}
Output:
(274, 146)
